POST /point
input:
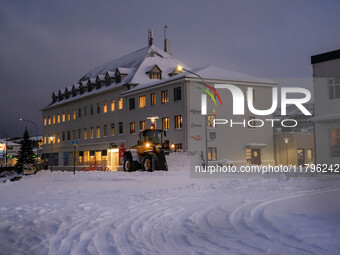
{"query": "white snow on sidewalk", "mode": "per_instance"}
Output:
(168, 213)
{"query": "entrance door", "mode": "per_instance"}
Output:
(256, 156)
(301, 157)
(113, 159)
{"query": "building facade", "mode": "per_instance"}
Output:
(107, 108)
(326, 81)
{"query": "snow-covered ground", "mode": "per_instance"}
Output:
(168, 213)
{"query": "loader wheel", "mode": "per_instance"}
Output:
(128, 164)
(147, 163)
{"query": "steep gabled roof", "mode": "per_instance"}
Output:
(136, 64)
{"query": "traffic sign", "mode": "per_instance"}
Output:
(75, 143)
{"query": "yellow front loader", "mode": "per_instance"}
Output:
(149, 153)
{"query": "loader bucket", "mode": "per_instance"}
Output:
(160, 161)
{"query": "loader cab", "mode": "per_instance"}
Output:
(154, 136)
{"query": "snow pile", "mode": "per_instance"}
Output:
(168, 213)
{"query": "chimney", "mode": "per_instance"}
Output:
(167, 43)
(167, 46)
(150, 37)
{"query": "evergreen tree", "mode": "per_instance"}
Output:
(26, 154)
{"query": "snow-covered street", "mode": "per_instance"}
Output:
(168, 213)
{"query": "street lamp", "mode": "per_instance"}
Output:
(36, 133)
(180, 69)
(6, 147)
(50, 158)
(286, 140)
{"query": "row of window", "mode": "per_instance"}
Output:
(178, 122)
(82, 112)
(85, 133)
(164, 98)
(96, 132)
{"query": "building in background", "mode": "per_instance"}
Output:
(326, 81)
(12, 152)
(107, 107)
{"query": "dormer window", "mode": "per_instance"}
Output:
(109, 78)
(155, 73)
(67, 94)
(174, 72)
(121, 73)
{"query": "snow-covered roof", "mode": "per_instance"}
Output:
(123, 70)
(136, 66)
(219, 73)
(101, 77)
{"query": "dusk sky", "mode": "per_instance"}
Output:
(48, 45)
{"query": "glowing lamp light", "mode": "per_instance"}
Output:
(172, 146)
(179, 68)
(147, 145)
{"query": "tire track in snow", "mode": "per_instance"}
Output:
(249, 220)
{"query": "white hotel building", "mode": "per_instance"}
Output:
(106, 108)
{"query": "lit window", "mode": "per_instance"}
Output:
(212, 153)
(178, 146)
(132, 128)
(112, 105)
(142, 102)
(53, 120)
(58, 137)
(68, 116)
(85, 134)
(91, 133)
(132, 105)
(165, 123)
(105, 130)
(211, 119)
(120, 127)
(165, 98)
(155, 75)
(142, 125)
(120, 104)
(58, 118)
(335, 142)
(74, 114)
(112, 129)
(178, 121)
(63, 118)
(177, 94)
(45, 139)
(153, 99)
(105, 107)
(98, 131)
(49, 120)
(45, 121)
(53, 138)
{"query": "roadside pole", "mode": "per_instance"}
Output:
(75, 145)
